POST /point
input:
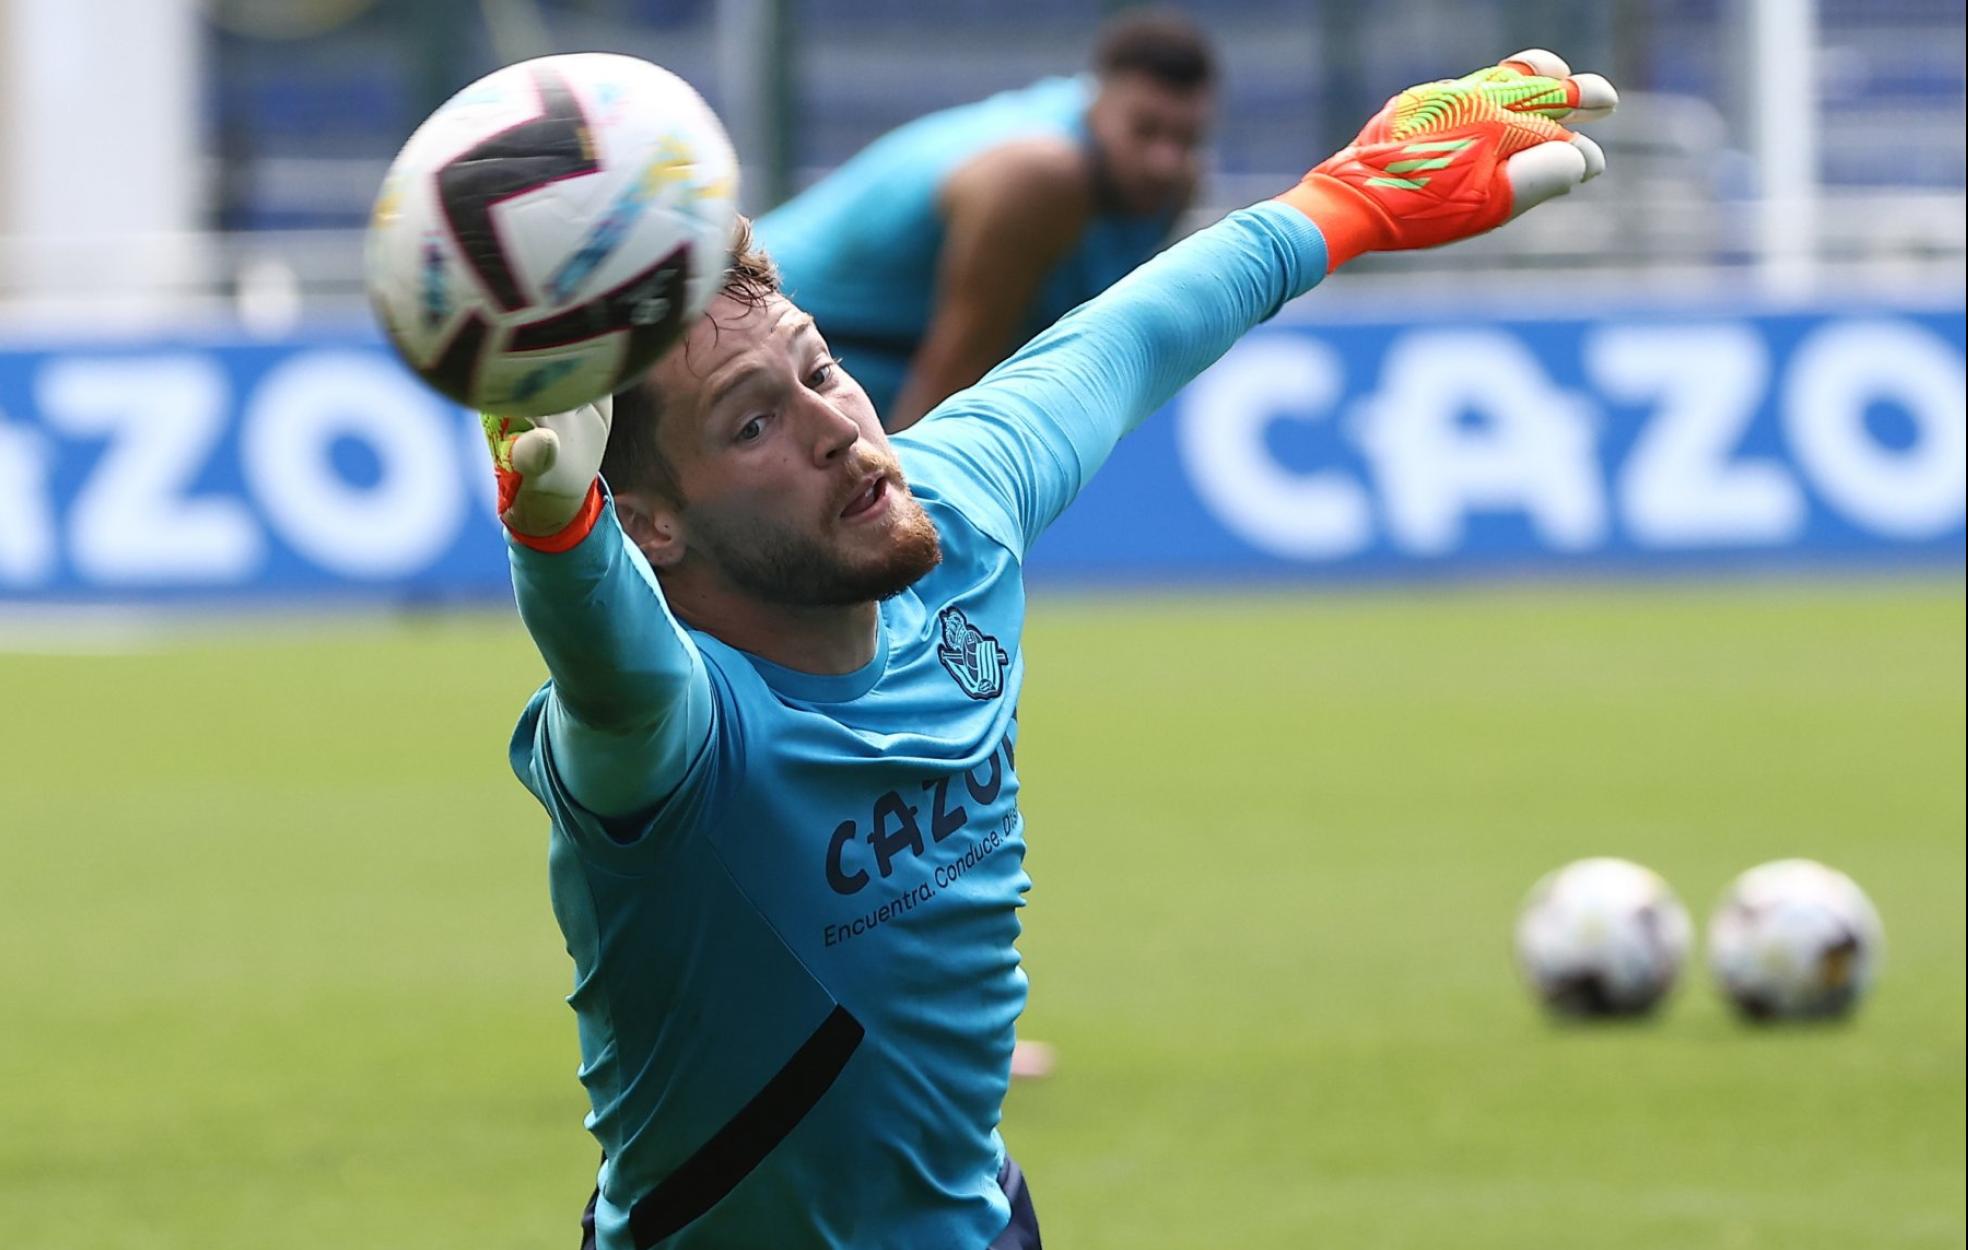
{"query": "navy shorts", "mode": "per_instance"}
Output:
(1021, 1234)
(1023, 1231)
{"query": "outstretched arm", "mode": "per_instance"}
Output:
(1441, 162)
(1035, 430)
(630, 705)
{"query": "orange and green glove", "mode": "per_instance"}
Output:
(1451, 159)
(548, 467)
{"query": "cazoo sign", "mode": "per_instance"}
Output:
(1655, 440)
(293, 469)
(320, 467)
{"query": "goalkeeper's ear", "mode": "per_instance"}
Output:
(1548, 170)
(652, 526)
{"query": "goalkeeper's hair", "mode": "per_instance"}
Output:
(1160, 44)
(632, 460)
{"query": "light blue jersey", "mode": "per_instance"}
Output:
(796, 981)
(858, 249)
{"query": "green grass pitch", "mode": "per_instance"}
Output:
(280, 972)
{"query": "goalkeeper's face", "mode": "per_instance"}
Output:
(788, 490)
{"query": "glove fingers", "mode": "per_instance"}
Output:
(1526, 130)
(1540, 82)
(1537, 62)
(1594, 97)
(1531, 63)
(1551, 98)
(1544, 172)
(598, 415)
(1595, 158)
(534, 452)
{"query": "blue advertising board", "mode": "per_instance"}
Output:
(319, 467)
(196, 470)
(1646, 440)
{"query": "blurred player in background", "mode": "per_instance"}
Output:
(945, 244)
(779, 742)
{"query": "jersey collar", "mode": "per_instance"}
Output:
(829, 687)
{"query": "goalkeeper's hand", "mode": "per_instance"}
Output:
(549, 473)
(1451, 159)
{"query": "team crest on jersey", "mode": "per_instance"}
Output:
(973, 657)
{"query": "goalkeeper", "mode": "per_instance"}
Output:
(779, 744)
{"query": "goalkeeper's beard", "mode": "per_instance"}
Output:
(777, 562)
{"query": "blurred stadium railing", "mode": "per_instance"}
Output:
(304, 102)
(1789, 178)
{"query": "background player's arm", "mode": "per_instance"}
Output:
(631, 702)
(1441, 162)
(1010, 216)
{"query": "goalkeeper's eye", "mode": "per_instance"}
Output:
(823, 374)
(752, 430)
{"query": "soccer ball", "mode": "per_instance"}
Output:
(1794, 939)
(1602, 937)
(551, 230)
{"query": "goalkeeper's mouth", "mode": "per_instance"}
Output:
(871, 499)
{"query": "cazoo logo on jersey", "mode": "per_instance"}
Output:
(973, 657)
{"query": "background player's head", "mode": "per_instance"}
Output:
(748, 462)
(1157, 97)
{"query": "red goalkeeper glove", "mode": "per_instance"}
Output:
(1451, 159)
